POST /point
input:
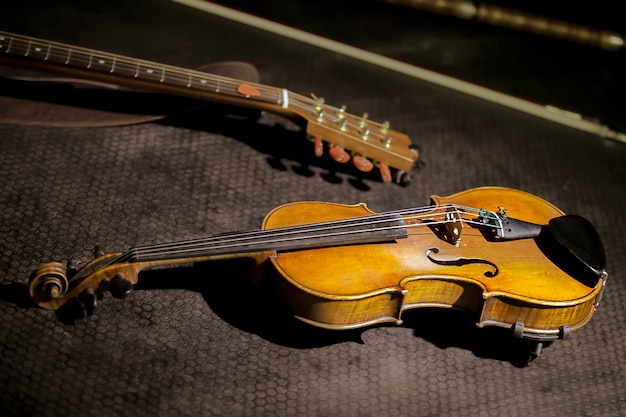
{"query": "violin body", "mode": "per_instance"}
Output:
(359, 285)
(344, 266)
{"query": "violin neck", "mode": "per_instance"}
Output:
(34, 53)
(372, 229)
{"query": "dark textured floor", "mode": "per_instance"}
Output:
(201, 340)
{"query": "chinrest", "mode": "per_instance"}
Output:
(581, 239)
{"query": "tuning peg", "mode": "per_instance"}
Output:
(97, 252)
(71, 267)
(363, 120)
(318, 107)
(342, 122)
(89, 301)
(120, 287)
(318, 146)
(362, 163)
(364, 127)
(385, 172)
(384, 128)
(339, 154)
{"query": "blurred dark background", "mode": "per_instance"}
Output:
(583, 78)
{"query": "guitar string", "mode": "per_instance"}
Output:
(186, 78)
(86, 56)
(182, 77)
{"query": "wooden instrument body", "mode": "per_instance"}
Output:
(344, 266)
(359, 285)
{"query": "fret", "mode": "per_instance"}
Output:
(149, 72)
(72, 57)
(17, 47)
(5, 43)
(102, 63)
(38, 50)
(124, 67)
(203, 82)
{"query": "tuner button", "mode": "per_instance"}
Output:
(319, 146)
(385, 172)
(362, 163)
(89, 301)
(339, 154)
(120, 287)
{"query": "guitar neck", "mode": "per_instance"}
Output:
(358, 134)
(24, 51)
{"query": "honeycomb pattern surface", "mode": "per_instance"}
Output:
(205, 339)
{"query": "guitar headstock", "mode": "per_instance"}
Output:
(368, 144)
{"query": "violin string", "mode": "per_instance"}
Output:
(293, 234)
(366, 220)
(236, 246)
(169, 249)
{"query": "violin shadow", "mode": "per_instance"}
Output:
(448, 328)
(256, 309)
(229, 288)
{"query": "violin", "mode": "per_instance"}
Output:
(347, 137)
(507, 257)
